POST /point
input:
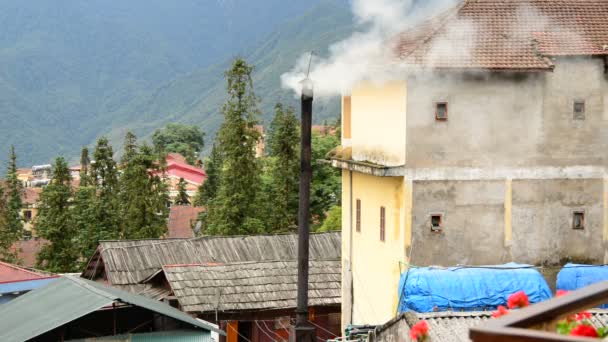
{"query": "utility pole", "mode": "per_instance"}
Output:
(304, 332)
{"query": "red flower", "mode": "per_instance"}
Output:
(583, 315)
(518, 300)
(561, 293)
(420, 331)
(584, 330)
(500, 312)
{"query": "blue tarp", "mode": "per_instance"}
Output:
(431, 289)
(575, 276)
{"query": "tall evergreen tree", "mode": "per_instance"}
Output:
(232, 211)
(182, 196)
(85, 162)
(283, 140)
(104, 175)
(208, 190)
(142, 193)
(14, 191)
(7, 238)
(85, 221)
(54, 222)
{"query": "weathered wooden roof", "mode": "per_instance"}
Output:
(251, 285)
(127, 263)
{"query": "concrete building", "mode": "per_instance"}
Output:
(490, 148)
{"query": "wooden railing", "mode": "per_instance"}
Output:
(538, 322)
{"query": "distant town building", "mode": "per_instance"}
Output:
(182, 221)
(177, 168)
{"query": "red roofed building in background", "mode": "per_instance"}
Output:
(182, 220)
(15, 281)
(177, 168)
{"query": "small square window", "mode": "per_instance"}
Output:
(441, 111)
(436, 223)
(578, 219)
(579, 110)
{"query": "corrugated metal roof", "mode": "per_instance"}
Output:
(252, 285)
(67, 299)
(25, 285)
(451, 326)
(173, 336)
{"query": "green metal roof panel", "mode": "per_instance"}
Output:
(67, 299)
(47, 308)
(160, 336)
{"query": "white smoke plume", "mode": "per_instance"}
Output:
(365, 55)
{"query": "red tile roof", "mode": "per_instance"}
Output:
(507, 34)
(11, 273)
(31, 195)
(181, 219)
(27, 251)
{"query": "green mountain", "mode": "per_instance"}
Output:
(71, 71)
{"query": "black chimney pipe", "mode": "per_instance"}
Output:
(304, 332)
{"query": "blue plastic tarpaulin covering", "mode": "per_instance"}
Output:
(575, 276)
(431, 289)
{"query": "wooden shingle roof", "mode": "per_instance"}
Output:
(127, 263)
(251, 285)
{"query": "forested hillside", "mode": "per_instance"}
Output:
(71, 71)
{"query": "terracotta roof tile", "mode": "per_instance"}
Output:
(507, 34)
(181, 218)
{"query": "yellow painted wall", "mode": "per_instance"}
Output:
(378, 123)
(376, 264)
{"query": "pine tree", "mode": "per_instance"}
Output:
(54, 222)
(182, 196)
(6, 238)
(283, 140)
(142, 193)
(85, 161)
(14, 191)
(233, 210)
(208, 190)
(104, 175)
(85, 221)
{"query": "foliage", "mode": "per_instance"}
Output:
(6, 237)
(232, 211)
(213, 167)
(84, 218)
(85, 162)
(54, 222)
(104, 174)
(187, 140)
(182, 196)
(326, 184)
(12, 224)
(142, 194)
(333, 221)
(283, 143)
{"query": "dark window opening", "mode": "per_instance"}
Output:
(382, 223)
(358, 216)
(578, 220)
(579, 110)
(436, 222)
(27, 215)
(441, 111)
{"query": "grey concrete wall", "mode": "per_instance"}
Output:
(473, 228)
(542, 221)
(497, 120)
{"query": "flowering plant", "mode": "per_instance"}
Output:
(420, 331)
(575, 325)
